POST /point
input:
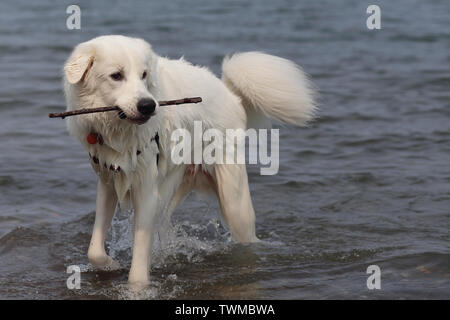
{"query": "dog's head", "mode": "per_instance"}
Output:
(114, 71)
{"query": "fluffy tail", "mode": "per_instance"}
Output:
(270, 87)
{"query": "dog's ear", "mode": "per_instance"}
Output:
(153, 58)
(79, 63)
(153, 70)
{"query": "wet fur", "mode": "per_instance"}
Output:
(253, 86)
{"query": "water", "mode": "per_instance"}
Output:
(368, 183)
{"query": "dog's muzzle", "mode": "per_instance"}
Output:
(146, 108)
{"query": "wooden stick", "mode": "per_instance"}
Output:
(62, 115)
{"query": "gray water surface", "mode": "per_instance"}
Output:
(367, 183)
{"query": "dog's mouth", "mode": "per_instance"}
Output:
(140, 120)
(135, 120)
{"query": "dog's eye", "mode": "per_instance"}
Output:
(116, 76)
(144, 75)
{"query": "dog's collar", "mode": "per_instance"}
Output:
(94, 138)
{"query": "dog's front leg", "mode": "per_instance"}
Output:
(145, 205)
(105, 207)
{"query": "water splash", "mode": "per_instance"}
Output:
(187, 241)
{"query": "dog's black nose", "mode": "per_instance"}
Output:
(146, 106)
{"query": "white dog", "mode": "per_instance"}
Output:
(130, 151)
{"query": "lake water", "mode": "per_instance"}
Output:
(367, 184)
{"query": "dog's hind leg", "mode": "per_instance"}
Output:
(105, 207)
(183, 190)
(235, 202)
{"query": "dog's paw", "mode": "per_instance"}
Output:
(138, 286)
(112, 265)
(104, 263)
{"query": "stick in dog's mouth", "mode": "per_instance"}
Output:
(121, 114)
